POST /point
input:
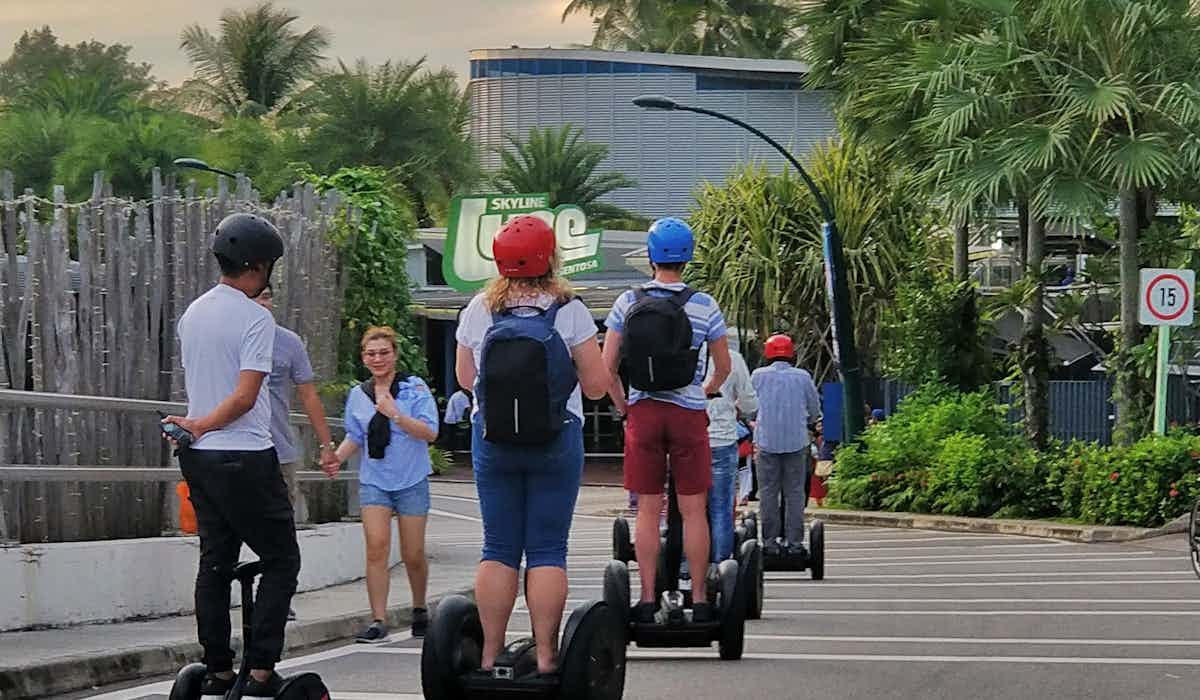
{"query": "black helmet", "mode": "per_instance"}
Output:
(247, 239)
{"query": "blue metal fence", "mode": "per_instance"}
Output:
(1079, 409)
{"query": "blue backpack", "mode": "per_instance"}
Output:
(526, 376)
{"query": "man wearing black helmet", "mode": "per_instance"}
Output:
(231, 466)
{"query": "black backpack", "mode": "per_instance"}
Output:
(526, 378)
(656, 348)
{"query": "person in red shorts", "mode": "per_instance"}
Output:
(663, 335)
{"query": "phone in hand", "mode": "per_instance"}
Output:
(181, 437)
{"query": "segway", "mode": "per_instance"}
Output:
(748, 556)
(673, 625)
(591, 661)
(813, 560)
(305, 686)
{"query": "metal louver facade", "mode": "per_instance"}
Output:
(669, 154)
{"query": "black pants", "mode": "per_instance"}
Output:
(241, 497)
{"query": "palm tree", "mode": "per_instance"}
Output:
(759, 249)
(256, 63)
(1125, 82)
(392, 115)
(559, 162)
(748, 28)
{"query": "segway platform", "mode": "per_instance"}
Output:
(305, 686)
(591, 658)
(812, 561)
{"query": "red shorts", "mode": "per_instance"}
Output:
(656, 430)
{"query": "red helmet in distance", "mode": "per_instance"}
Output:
(779, 347)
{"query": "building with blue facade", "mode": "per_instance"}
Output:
(667, 153)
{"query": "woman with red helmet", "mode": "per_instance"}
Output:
(527, 346)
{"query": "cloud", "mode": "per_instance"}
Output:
(377, 30)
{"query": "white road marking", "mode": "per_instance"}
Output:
(768, 656)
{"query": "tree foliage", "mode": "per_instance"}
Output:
(560, 162)
(38, 57)
(256, 63)
(744, 28)
(759, 247)
(392, 115)
(372, 243)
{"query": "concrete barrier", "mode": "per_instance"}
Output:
(65, 583)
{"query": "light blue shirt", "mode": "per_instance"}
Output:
(708, 324)
(457, 407)
(406, 461)
(787, 402)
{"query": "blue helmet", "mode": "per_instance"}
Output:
(670, 241)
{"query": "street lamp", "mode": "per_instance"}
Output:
(197, 164)
(836, 283)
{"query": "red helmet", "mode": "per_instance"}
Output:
(779, 347)
(523, 247)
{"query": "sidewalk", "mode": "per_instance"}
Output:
(38, 663)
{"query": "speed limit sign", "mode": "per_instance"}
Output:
(1166, 297)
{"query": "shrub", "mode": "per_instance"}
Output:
(1145, 484)
(941, 452)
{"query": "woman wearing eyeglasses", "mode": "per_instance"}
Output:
(393, 417)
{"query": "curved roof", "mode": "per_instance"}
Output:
(721, 63)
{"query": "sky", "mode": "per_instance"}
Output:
(378, 30)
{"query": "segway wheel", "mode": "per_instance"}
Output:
(816, 550)
(1194, 536)
(187, 682)
(752, 526)
(751, 560)
(733, 611)
(593, 663)
(739, 537)
(622, 542)
(616, 590)
(452, 647)
(306, 686)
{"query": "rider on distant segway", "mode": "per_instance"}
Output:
(657, 332)
(788, 405)
(737, 399)
(527, 344)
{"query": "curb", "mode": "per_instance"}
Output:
(1029, 528)
(74, 673)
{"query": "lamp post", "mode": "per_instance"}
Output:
(197, 164)
(836, 283)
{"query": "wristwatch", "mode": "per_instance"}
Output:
(331, 446)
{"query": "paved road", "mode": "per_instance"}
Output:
(901, 614)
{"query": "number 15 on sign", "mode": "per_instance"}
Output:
(1165, 299)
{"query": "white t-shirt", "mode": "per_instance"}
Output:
(574, 323)
(222, 333)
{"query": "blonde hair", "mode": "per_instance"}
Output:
(500, 290)
(379, 333)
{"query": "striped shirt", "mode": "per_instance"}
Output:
(787, 403)
(707, 325)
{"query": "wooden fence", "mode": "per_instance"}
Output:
(91, 293)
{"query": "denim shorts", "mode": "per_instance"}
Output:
(527, 496)
(413, 500)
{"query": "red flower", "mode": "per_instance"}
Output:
(1173, 493)
(1114, 476)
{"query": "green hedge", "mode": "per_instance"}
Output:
(955, 453)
